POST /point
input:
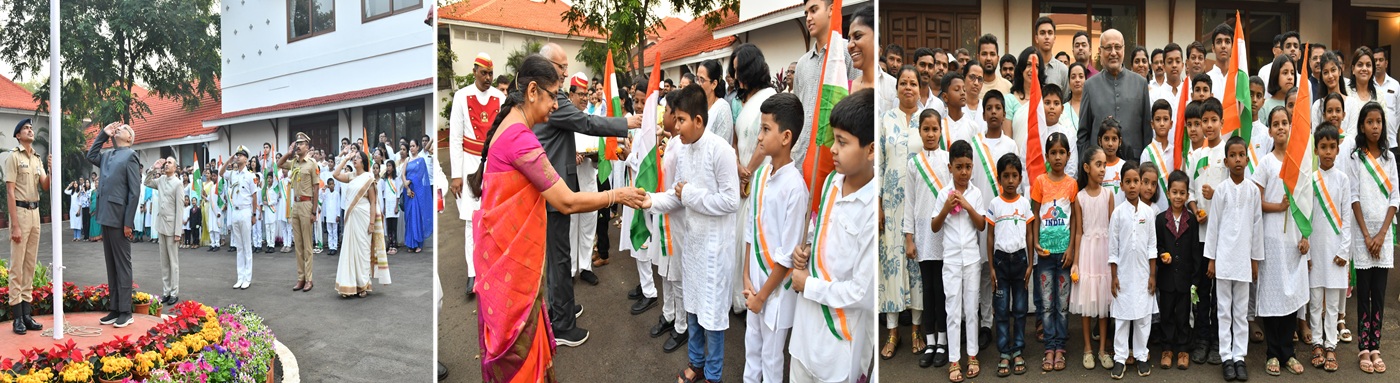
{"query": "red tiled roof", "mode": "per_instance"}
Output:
(542, 16)
(692, 39)
(168, 119)
(668, 25)
(13, 96)
(315, 101)
(731, 21)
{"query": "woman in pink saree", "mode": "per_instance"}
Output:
(514, 183)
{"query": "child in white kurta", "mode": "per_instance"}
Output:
(1132, 251)
(779, 210)
(1234, 246)
(665, 230)
(1282, 287)
(1374, 170)
(962, 255)
(1330, 247)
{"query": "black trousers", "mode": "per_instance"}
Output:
(1175, 325)
(87, 220)
(1207, 330)
(116, 251)
(1370, 306)
(391, 231)
(558, 275)
(1278, 333)
(604, 219)
(935, 305)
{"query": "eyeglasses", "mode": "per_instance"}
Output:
(1113, 47)
(562, 67)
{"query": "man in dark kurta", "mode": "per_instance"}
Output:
(1116, 93)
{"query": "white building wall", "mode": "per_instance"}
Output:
(8, 120)
(511, 40)
(262, 68)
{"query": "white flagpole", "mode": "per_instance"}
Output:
(55, 180)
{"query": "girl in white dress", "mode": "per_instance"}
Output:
(1372, 251)
(1282, 288)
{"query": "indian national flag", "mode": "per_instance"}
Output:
(607, 146)
(817, 163)
(1035, 149)
(196, 178)
(1182, 142)
(1299, 165)
(649, 172)
(1238, 119)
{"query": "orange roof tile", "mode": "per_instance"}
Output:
(542, 16)
(167, 119)
(692, 39)
(668, 25)
(13, 96)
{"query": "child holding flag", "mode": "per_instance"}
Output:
(779, 210)
(835, 275)
(1283, 282)
(666, 229)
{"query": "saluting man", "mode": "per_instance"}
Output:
(25, 174)
(302, 176)
(116, 212)
(163, 177)
(241, 213)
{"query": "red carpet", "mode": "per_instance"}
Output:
(11, 344)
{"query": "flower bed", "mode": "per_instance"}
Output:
(196, 344)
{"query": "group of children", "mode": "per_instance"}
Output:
(1141, 242)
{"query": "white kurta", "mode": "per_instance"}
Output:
(1234, 238)
(919, 204)
(961, 240)
(1325, 243)
(1283, 274)
(851, 262)
(710, 199)
(1375, 201)
(1207, 167)
(1132, 245)
(668, 266)
(782, 213)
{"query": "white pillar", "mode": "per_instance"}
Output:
(55, 180)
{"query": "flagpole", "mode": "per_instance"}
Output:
(55, 199)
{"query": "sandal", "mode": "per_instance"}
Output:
(1343, 333)
(1059, 360)
(891, 345)
(1376, 362)
(695, 372)
(1294, 366)
(1331, 365)
(1004, 367)
(917, 340)
(955, 374)
(973, 367)
(1088, 361)
(1365, 362)
(1271, 367)
(1018, 365)
(1049, 363)
(1106, 361)
(1317, 359)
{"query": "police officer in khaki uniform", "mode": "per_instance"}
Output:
(302, 176)
(25, 174)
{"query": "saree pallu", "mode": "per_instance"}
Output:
(353, 272)
(418, 210)
(516, 340)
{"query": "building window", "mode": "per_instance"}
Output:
(307, 18)
(378, 9)
(1095, 17)
(399, 119)
(482, 36)
(323, 129)
(1261, 22)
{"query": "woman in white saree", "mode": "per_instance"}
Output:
(358, 244)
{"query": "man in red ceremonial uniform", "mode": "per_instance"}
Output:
(474, 108)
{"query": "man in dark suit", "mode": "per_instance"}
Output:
(557, 138)
(116, 211)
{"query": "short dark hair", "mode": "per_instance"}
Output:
(1212, 105)
(502, 80)
(894, 48)
(1196, 46)
(1052, 90)
(692, 101)
(948, 79)
(994, 95)
(1274, 68)
(1235, 140)
(1161, 104)
(1042, 20)
(1010, 160)
(855, 114)
(1201, 77)
(689, 76)
(1222, 29)
(921, 52)
(1130, 165)
(1194, 109)
(1382, 50)
(1278, 40)
(988, 39)
(959, 149)
(1290, 34)
(786, 110)
(1007, 58)
(1171, 47)
(1179, 176)
(1328, 131)
(1156, 52)
(1081, 33)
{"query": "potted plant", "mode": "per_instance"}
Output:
(76, 372)
(114, 369)
(144, 363)
(141, 302)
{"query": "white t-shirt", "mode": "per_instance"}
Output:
(1008, 219)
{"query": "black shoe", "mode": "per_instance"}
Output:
(984, 338)
(269, 250)
(588, 276)
(573, 337)
(578, 310)
(19, 316)
(213, 248)
(442, 372)
(1213, 357)
(1198, 355)
(123, 320)
(110, 318)
(1240, 373)
(662, 327)
(635, 293)
(173, 300)
(471, 287)
(926, 359)
(335, 252)
(29, 322)
(1117, 371)
(675, 342)
(1229, 371)
(257, 250)
(643, 305)
(940, 356)
(232, 249)
(1144, 368)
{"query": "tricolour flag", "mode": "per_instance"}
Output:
(1035, 148)
(196, 178)
(607, 146)
(649, 171)
(1182, 141)
(1238, 119)
(817, 163)
(1299, 165)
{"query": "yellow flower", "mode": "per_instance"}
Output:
(176, 351)
(145, 362)
(140, 298)
(42, 376)
(80, 372)
(194, 342)
(115, 366)
(7, 378)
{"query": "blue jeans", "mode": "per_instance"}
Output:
(77, 233)
(1052, 284)
(1009, 301)
(706, 348)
